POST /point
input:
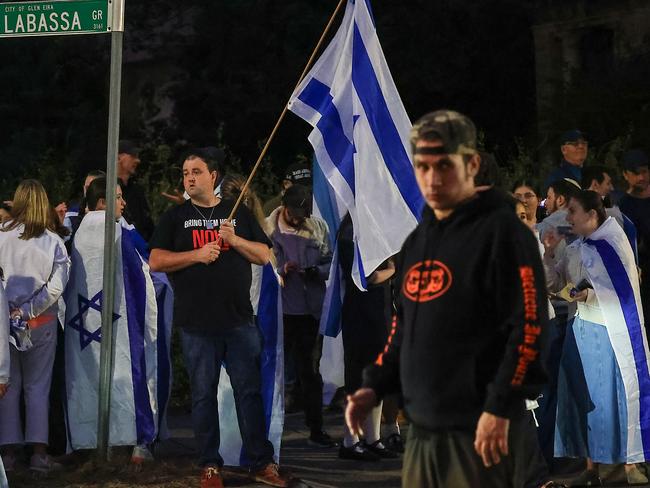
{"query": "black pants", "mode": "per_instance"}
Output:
(447, 459)
(303, 342)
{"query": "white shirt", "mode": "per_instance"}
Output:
(35, 271)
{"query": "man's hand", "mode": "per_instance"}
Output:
(208, 253)
(227, 233)
(290, 266)
(175, 197)
(491, 438)
(3, 389)
(61, 210)
(359, 406)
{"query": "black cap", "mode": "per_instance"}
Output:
(634, 159)
(128, 147)
(573, 135)
(455, 130)
(297, 198)
(299, 173)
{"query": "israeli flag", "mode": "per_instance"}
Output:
(332, 212)
(135, 409)
(609, 261)
(267, 302)
(361, 139)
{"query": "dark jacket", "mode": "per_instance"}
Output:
(472, 313)
(565, 170)
(137, 210)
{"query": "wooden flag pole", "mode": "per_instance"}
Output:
(284, 111)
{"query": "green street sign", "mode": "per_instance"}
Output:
(57, 17)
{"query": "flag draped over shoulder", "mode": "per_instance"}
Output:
(165, 303)
(269, 320)
(134, 410)
(360, 139)
(609, 261)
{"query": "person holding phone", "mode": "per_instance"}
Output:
(303, 254)
(603, 383)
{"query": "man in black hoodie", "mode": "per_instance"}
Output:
(466, 341)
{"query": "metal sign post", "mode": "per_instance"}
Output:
(65, 17)
(107, 352)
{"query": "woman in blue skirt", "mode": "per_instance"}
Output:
(603, 411)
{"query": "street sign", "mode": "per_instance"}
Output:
(56, 17)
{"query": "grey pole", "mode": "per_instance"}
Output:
(107, 354)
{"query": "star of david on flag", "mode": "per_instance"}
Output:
(86, 337)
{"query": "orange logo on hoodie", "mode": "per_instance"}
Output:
(426, 281)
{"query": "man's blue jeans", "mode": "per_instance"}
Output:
(239, 350)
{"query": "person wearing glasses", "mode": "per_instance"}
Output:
(526, 192)
(574, 147)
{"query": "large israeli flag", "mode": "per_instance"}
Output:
(609, 262)
(267, 304)
(360, 138)
(134, 414)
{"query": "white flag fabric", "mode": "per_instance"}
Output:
(268, 303)
(609, 261)
(360, 139)
(332, 212)
(134, 406)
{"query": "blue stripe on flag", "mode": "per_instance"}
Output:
(340, 149)
(135, 296)
(362, 272)
(625, 293)
(335, 304)
(267, 322)
(164, 368)
(382, 125)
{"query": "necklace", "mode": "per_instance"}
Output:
(208, 222)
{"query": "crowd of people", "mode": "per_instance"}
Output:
(510, 328)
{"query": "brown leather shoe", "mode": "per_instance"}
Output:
(270, 475)
(211, 478)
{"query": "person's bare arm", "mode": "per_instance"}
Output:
(255, 252)
(169, 261)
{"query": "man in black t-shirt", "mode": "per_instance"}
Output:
(208, 259)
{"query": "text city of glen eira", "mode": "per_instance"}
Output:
(43, 18)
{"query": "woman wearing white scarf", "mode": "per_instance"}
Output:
(604, 382)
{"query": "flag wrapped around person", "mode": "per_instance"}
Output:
(267, 304)
(609, 261)
(134, 409)
(361, 139)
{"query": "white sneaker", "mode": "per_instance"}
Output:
(141, 454)
(43, 463)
